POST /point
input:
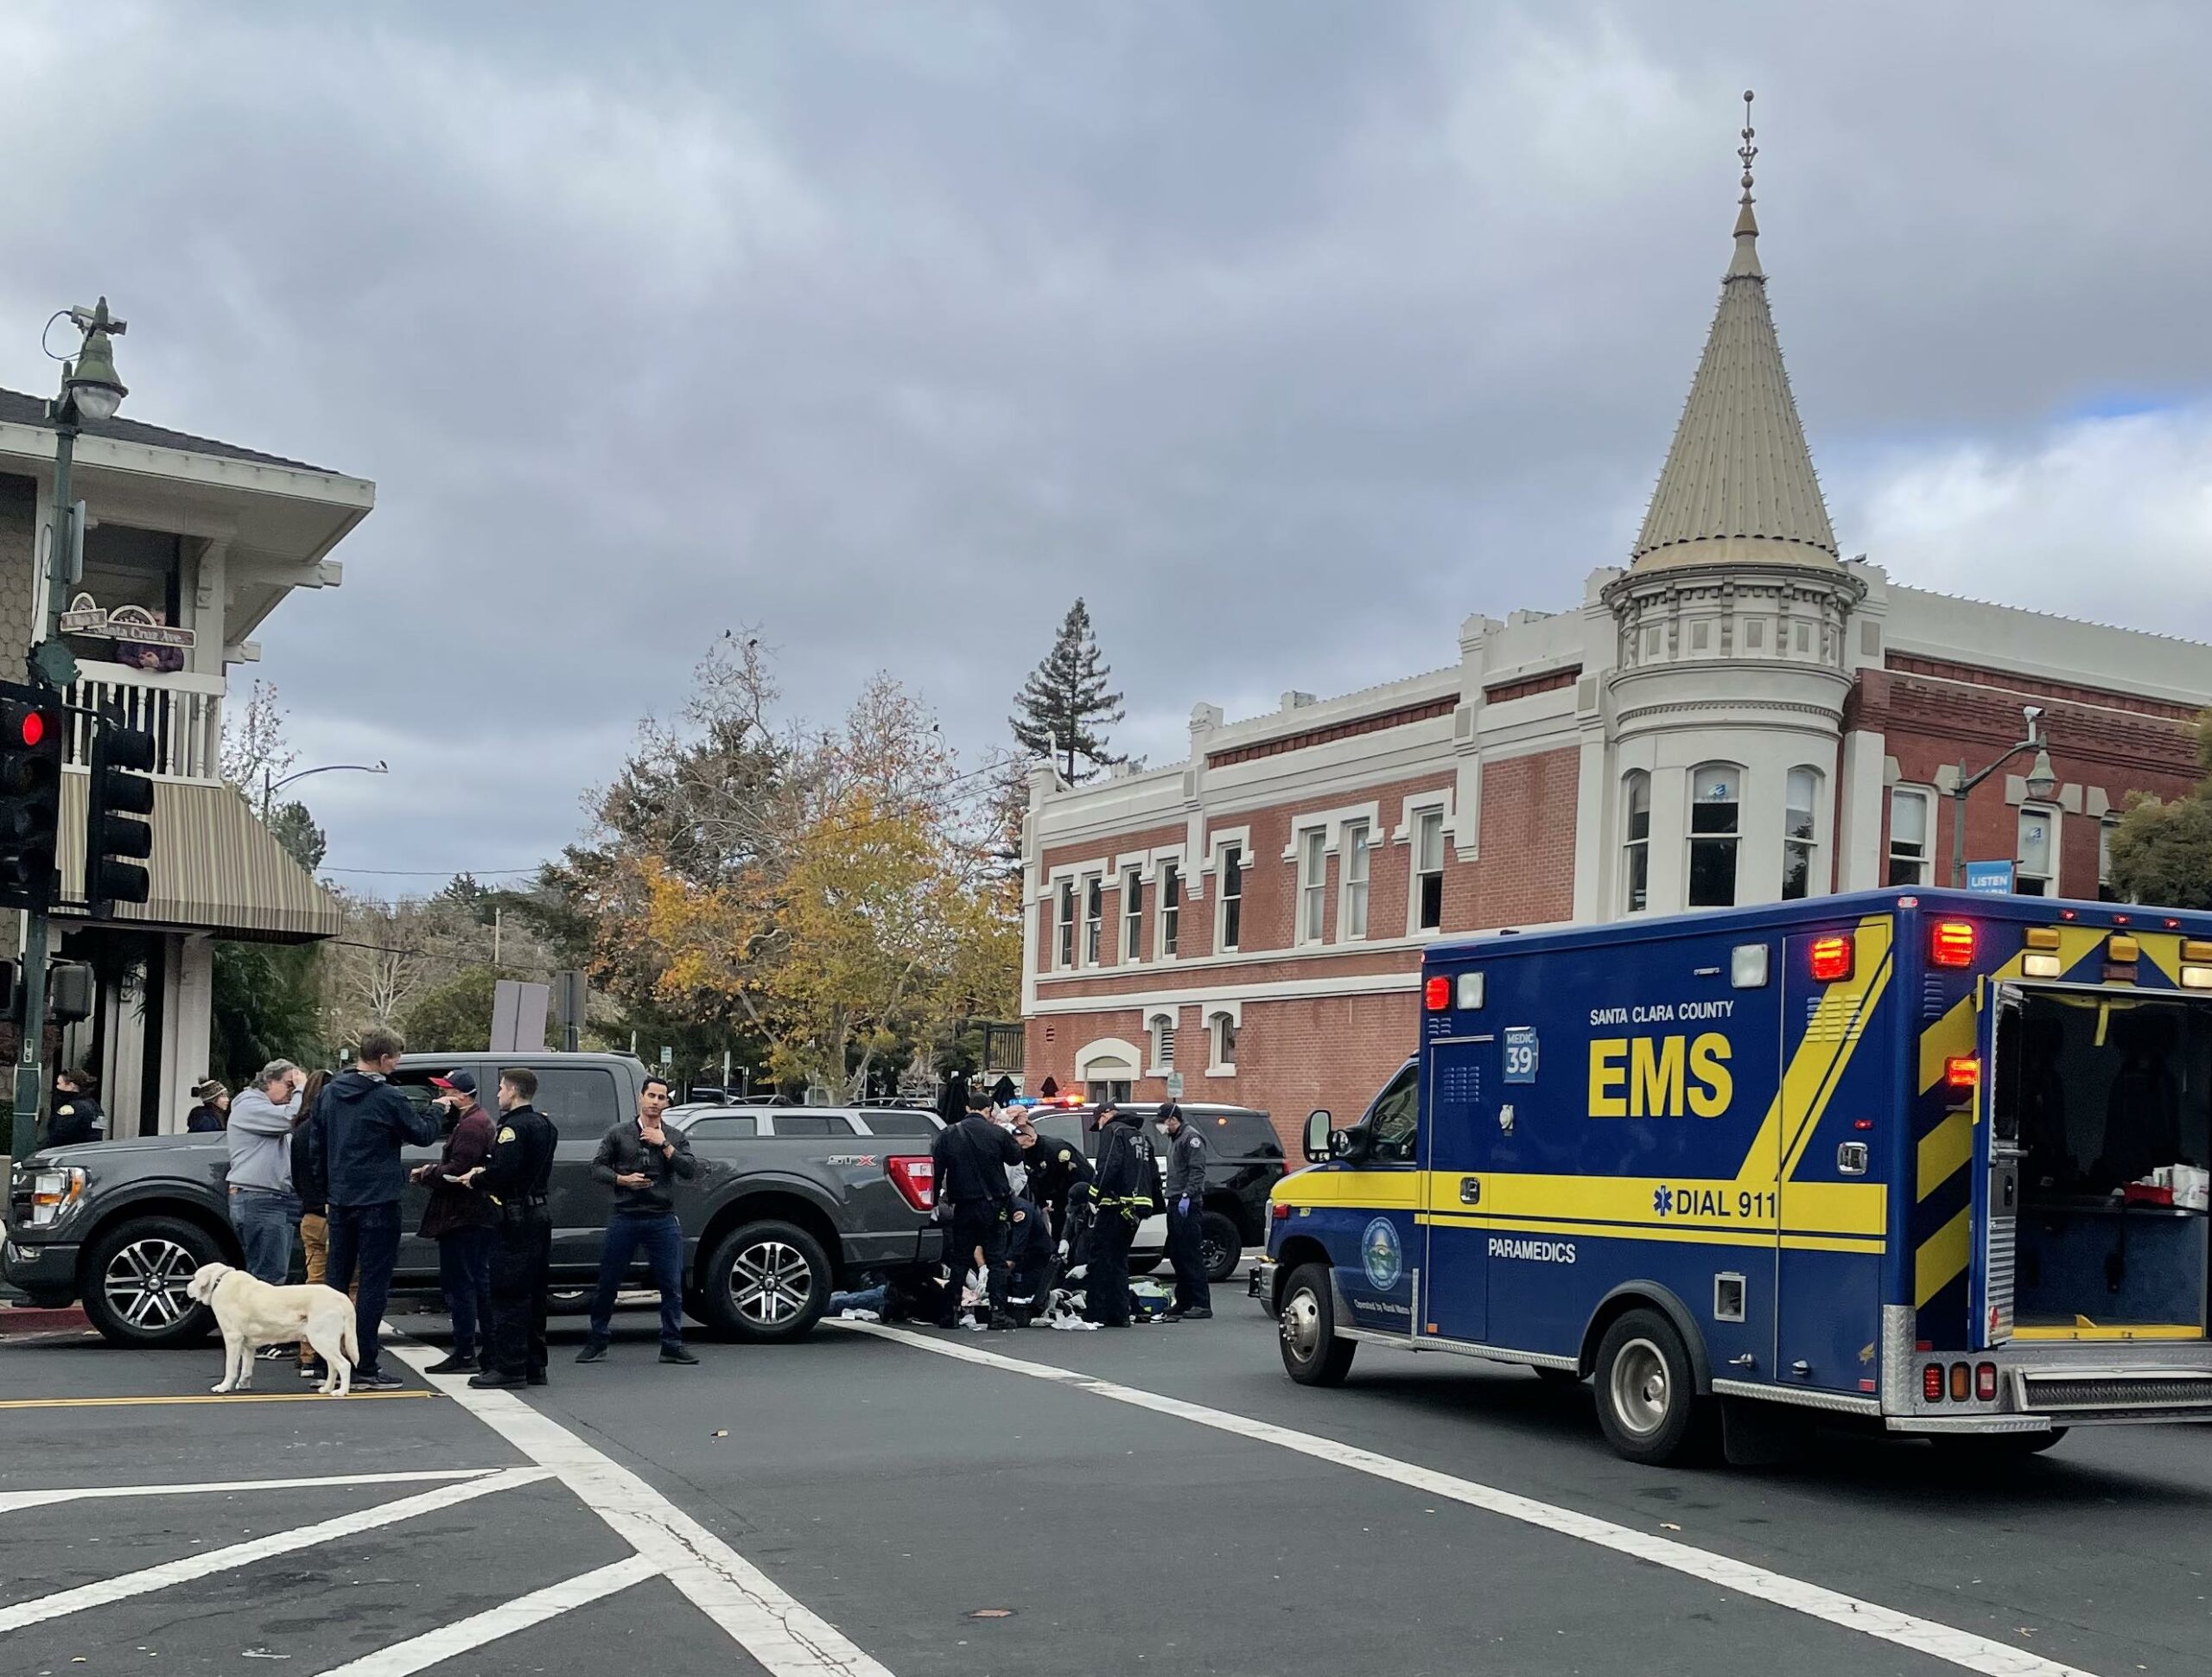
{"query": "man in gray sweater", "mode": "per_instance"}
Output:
(263, 1209)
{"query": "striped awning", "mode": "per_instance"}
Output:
(214, 867)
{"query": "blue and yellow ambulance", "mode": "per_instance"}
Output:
(1923, 1162)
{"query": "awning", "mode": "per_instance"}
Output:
(214, 867)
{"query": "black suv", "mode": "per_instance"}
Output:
(1244, 1160)
(771, 1227)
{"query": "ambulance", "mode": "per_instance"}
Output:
(1922, 1162)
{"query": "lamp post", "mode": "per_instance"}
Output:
(269, 788)
(90, 391)
(2042, 783)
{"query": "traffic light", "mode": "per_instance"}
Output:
(117, 836)
(34, 733)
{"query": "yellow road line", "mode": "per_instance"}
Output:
(210, 1397)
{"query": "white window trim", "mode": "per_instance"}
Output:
(2054, 815)
(1627, 845)
(1069, 891)
(1692, 837)
(1331, 823)
(1301, 938)
(1926, 795)
(1240, 838)
(1086, 958)
(1345, 883)
(1153, 1018)
(1814, 847)
(1127, 953)
(1215, 1012)
(1161, 861)
(1417, 804)
(1107, 1048)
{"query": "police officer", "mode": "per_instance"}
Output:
(1186, 1199)
(514, 1179)
(975, 1202)
(77, 1116)
(1059, 1178)
(1123, 1197)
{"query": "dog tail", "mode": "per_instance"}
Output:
(347, 1345)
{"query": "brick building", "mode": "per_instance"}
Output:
(1740, 715)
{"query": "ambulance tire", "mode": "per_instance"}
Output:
(1647, 1391)
(1312, 1353)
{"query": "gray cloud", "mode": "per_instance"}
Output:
(1288, 334)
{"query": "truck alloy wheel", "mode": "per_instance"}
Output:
(766, 1282)
(134, 1286)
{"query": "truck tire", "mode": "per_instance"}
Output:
(1647, 1391)
(767, 1283)
(1312, 1353)
(1220, 1245)
(135, 1277)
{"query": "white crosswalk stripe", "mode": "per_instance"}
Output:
(435, 1647)
(12, 1500)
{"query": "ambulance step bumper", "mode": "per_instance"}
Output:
(2175, 1394)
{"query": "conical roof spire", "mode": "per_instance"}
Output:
(1738, 483)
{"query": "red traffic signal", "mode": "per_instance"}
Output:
(32, 734)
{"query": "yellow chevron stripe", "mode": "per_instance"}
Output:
(1956, 1032)
(1941, 1257)
(1944, 1150)
(1872, 955)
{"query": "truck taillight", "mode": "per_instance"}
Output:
(1831, 958)
(1960, 1376)
(1931, 1383)
(915, 1177)
(1436, 994)
(1951, 943)
(1963, 1071)
(1984, 1382)
(1280, 1211)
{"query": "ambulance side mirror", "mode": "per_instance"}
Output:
(1320, 1142)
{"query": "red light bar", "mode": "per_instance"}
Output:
(1436, 994)
(1962, 1070)
(1952, 943)
(1931, 1383)
(1831, 957)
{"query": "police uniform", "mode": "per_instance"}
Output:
(1059, 1180)
(76, 1120)
(1186, 1198)
(514, 1180)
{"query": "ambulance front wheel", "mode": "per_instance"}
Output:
(1312, 1353)
(1646, 1393)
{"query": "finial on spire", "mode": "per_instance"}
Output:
(1747, 151)
(1746, 263)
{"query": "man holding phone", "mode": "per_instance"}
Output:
(640, 1159)
(461, 1219)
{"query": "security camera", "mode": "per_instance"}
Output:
(2032, 712)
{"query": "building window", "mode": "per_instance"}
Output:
(1094, 917)
(1066, 925)
(1232, 897)
(2035, 865)
(1755, 634)
(1163, 1043)
(1312, 884)
(1635, 842)
(1351, 918)
(1428, 870)
(2105, 891)
(1910, 852)
(1223, 1043)
(1716, 795)
(1799, 853)
(1132, 914)
(1170, 907)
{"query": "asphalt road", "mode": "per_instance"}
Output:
(1161, 1498)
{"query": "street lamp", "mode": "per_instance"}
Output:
(90, 391)
(2042, 784)
(269, 788)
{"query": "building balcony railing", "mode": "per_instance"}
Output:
(182, 711)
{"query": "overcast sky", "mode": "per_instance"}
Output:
(1287, 333)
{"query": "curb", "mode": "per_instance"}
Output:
(27, 1320)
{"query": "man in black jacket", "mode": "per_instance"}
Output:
(1186, 1201)
(637, 1159)
(1123, 1196)
(1059, 1177)
(975, 1204)
(360, 1125)
(514, 1179)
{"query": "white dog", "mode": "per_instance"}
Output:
(253, 1314)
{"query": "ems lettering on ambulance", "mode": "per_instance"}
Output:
(1660, 1075)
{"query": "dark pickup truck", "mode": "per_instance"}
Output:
(771, 1226)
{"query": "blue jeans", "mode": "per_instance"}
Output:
(368, 1236)
(265, 1218)
(662, 1240)
(465, 1277)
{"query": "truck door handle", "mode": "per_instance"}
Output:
(1470, 1191)
(1851, 1158)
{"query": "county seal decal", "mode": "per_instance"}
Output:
(1378, 1250)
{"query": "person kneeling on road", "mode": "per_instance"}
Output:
(1186, 1199)
(639, 1159)
(1029, 1259)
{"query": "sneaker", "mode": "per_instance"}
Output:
(381, 1380)
(276, 1353)
(592, 1353)
(452, 1363)
(677, 1354)
(488, 1382)
(1188, 1316)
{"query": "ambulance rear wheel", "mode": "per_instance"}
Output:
(1312, 1353)
(1647, 1393)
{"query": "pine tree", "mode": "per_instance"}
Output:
(1065, 703)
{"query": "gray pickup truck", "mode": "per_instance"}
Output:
(771, 1226)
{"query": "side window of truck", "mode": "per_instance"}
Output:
(580, 1100)
(1395, 1119)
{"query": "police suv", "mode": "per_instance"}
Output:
(1925, 1162)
